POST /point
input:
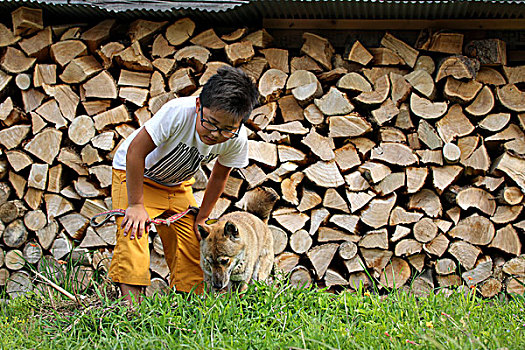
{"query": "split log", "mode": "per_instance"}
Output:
(490, 288)
(422, 81)
(108, 51)
(495, 122)
(348, 126)
(7, 38)
(290, 109)
(45, 145)
(240, 52)
(334, 103)
(483, 103)
(319, 49)
(451, 43)
(428, 201)
(487, 51)
(376, 259)
(320, 256)
(289, 188)
(94, 36)
(394, 153)
(290, 219)
(15, 61)
(319, 145)
(133, 58)
(385, 57)
(280, 239)
(415, 178)
(333, 200)
(459, 67)
(379, 94)
(235, 35)
(507, 240)
(479, 273)
(260, 38)
(354, 82)
(445, 266)
(454, 124)
(309, 199)
(286, 262)
(511, 97)
(460, 91)
(358, 53)
(428, 135)
(64, 52)
(377, 212)
(356, 182)
(324, 174)
(438, 246)
(300, 277)
(271, 84)
(19, 283)
(442, 177)
(477, 198)
(142, 30)
(465, 253)
(490, 76)
(80, 69)
(425, 108)
(407, 53)
(101, 86)
(180, 31)
(277, 58)
(318, 217)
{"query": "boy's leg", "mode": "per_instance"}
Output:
(130, 262)
(181, 247)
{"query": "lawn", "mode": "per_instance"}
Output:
(267, 317)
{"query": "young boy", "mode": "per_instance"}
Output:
(152, 175)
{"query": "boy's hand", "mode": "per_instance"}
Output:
(196, 228)
(134, 221)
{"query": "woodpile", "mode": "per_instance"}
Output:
(400, 163)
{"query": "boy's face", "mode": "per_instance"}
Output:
(208, 119)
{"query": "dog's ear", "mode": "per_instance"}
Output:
(230, 230)
(203, 231)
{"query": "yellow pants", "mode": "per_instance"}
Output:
(131, 257)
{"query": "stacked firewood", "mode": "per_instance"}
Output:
(399, 164)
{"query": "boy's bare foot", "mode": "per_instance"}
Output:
(132, 294)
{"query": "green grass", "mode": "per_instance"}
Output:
(267, 317)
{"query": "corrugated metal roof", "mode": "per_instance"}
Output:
(236, 12)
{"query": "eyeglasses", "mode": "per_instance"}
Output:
(206, 124)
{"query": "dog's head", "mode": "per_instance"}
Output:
(222, 251)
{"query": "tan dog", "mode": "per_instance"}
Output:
(238, 247)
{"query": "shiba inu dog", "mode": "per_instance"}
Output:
(238, 247)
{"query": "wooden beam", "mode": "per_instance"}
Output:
(395, 24)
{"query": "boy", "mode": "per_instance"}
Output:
(152, 175)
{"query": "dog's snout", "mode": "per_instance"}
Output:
(217, 286)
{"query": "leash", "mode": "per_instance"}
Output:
(121, 212)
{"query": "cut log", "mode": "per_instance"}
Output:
(465, 253)
(511, 97)
(451, 43)
(459, 67)
(407, 53)
(81, 130)
(32, 252)
(15, 234)
(376, 259)
(425, 108)
(506, 240)
(320, 256)
(438, 246)
(35, 220)
(23, 81)
(19, 284)
(396, 274)
(378, 95)
(451, 152)
(300, 277)
(324, 174)
(38, 176)
(319, 49)
(300, 241)
(425, 230)
(510, 195)
(490, 76)
(490, 288)
(240, 52)
(488, 51)
(180, 31)
(15, 61)
(445, 266)
(235, 35)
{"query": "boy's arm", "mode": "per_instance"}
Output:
(217, 181)
(136, 215)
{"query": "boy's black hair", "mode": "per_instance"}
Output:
(230, 90)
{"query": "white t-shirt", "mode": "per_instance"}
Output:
(180, 151)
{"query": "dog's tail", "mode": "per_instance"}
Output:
(259, 202)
